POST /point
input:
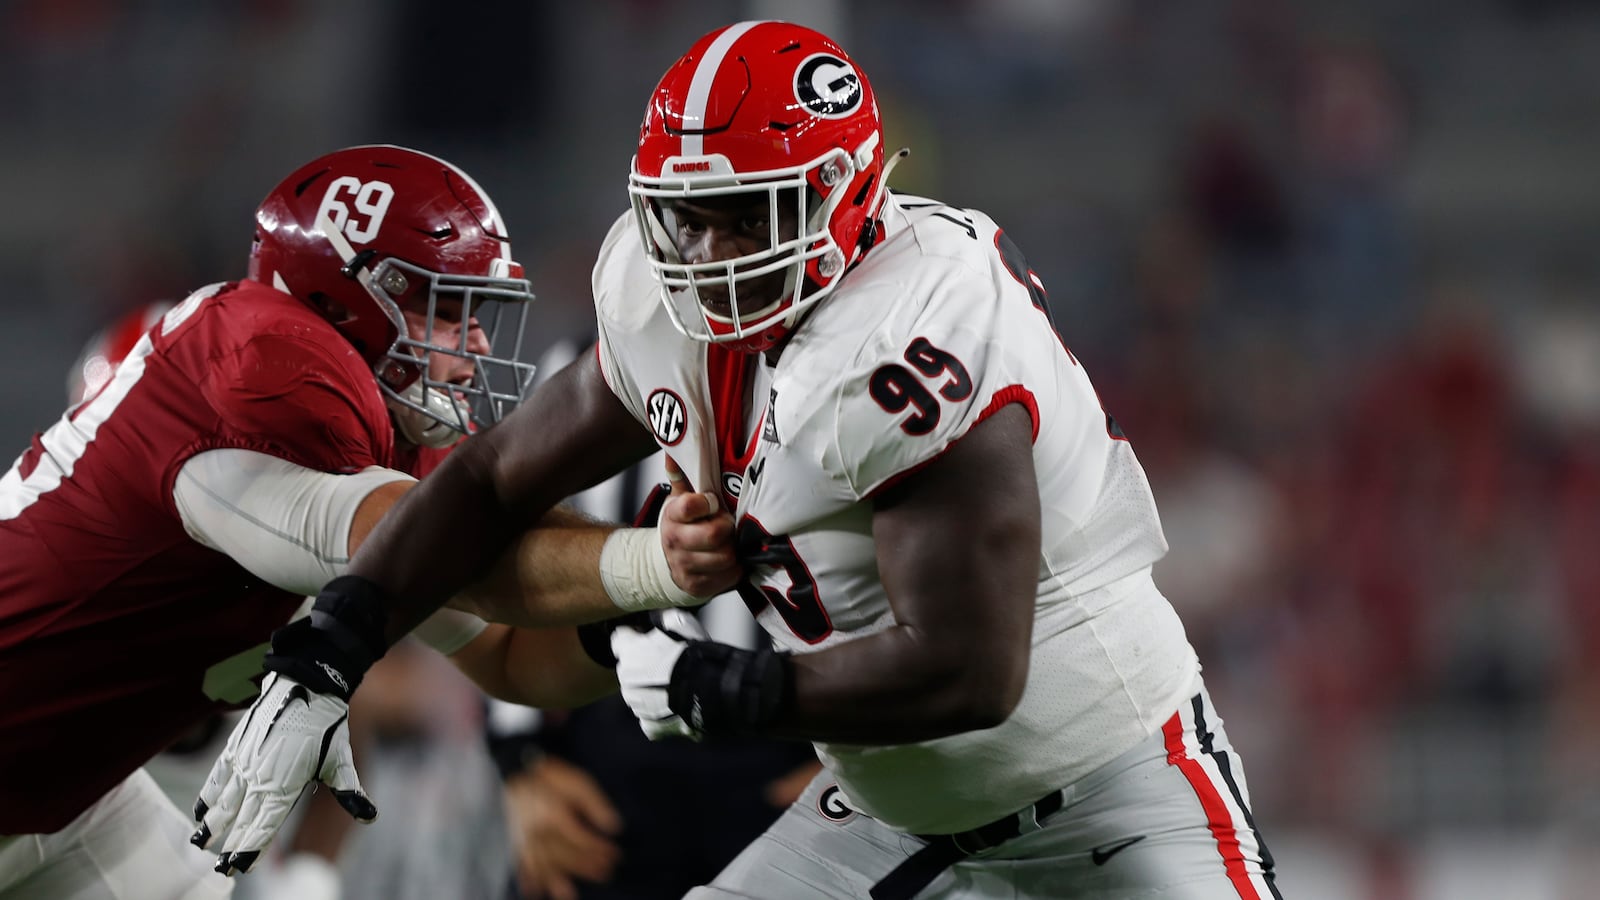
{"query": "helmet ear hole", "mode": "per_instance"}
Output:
(865, 193)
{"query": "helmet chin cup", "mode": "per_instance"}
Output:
(423, 415)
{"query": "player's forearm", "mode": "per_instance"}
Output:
(449, 531)
(437, 538)
(895, 687)
(549, 576)
(958, 549)
(571, 570)
(899, 686)
(545, 667)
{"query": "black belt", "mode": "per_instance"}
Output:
(945, 850)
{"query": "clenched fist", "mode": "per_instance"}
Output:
(697, 538)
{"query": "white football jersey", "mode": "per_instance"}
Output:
(935, 329)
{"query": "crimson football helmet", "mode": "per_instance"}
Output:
(760, 107)
(108, 347)
(365, 235)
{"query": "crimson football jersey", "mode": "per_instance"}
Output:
(118, 631)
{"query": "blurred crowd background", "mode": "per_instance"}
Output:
(1333, 267)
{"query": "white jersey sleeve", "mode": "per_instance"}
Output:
(918, 388)
(621, 303)
(655, 371)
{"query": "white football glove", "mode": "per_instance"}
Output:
(291, 737)
(644, 669)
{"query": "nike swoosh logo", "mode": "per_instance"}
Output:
(1101, 854)
(298, 692)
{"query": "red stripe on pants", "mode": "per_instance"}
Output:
(1217, 815)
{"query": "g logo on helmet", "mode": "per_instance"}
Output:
(828, 86)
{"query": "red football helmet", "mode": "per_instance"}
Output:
(108, 347)
(366, 233)
(760, 107)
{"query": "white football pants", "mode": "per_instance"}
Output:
(132, 844)
(1167, 819)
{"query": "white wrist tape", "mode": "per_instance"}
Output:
(634, 571)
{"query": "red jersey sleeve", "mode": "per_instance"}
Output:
(292, 397)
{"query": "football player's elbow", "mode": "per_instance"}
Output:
(993, 695)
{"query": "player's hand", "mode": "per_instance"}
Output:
(292, 736)
(644, 669)
(297, 732)
(562, 826)
(697, 537)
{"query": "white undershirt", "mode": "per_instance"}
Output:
(290, 526)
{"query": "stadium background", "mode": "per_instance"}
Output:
(1332, 266)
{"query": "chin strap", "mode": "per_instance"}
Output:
(423, 415)
(882, 191)
(869, 233)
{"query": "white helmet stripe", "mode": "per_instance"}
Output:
(694, 106)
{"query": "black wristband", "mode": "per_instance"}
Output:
(721, 690)
(354, 611)
(330, 650)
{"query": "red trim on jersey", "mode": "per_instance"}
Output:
(601, 365)
(1218, 817)
(1004, 397)
(1016, 393)
(729, 375)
